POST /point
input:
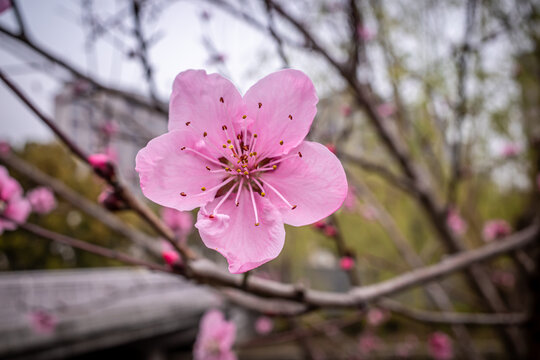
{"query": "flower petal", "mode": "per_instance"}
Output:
(244, 245)
(196, 100)
(315, 183)
(283, 105)
(166, 171)
(17, 210)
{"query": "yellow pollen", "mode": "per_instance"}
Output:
(224, 146)
(255, 135)
(205, 134)
(183, 148)
(207, 168)
(274, 167)
(229, 141)
(246, 172)
(231, 147)
(183, 193)
(245, 116)
(238, 170)
(294, 207)
(244, 166)
(203, 188)
(257, 224)
(227, 169)
(263, 194)
(189, 122)
(281, 142)
(255, 153)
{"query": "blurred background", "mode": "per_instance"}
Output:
(454, 83)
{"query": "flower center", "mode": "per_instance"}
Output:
(242, 166)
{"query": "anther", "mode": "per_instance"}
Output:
(203, 188)
(299, 154)
(211, 216)
(246, 172)
(274, 167)
(260, 105)
(183, 148)
(245, 116)
(290, 116)
(257, 224)
(263, 194)
(231, 146)
(294, 207)
(189, 122)
(205, 134)
(207, 168)
(281, 142)
(183, 193)
(224, 146)
(224, 127)
(227, 169)
(238, 170)
(229, 141)
(255, 136)
(221, 99)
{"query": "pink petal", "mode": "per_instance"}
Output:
(244, 245)
(196, 100)
(9, 187)
(283, 95)
(17, 210)
(315, 182)
(166, 171)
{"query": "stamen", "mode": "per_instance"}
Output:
(189, 122)
(281, 142)
(290, 116)
(202, 155)
(205, 134)
(278, 194)
(225, 197)
(283, 159)
(263, 193)
(260, 105)
(254, 206)
(221, 99)
(183, 193)
(203, 188)
(208, 168)
(239, 191)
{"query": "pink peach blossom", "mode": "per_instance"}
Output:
(346, 263)
(440, 346)
(181, 222)
(14, 209)
(456, 223)
(42, 200)
(376, 316)
(42, 322)
(386, 110)
(495, 229)
(4, 5)
(510, 150)
(216, 338)
(102, 163)
(243, 161)
(365, 33)
(264, 325)
(368, 342)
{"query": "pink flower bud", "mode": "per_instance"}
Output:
(331, 147)
(111, 201)
(170, 257)
(376, 316)
(102, 164)
(321, 224)
(346, 263)
(264, 325)
(440, 346)
(42, 200)
(330, 230)
(495, 229)
(456, 223)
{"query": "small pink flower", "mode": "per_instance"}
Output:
(510, 150)
(456, 223)
(4, 5)
(368, 342)
(215, 339)
(386, 110)
(330, 230)
(111, 201)
(42, 200)
(503, 278)
(102, 163)
(5, 148)
(14, 209)
(346, 110)
(365, 33)
(264, 325)
(181, 222)
(244, 162)
(346, 263)
(440, 346)
(495, 229)
(42, 322)
(109, 128)
(368, 212)
(376, 316)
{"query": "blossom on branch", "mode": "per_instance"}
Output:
(440, 346)
(495, 229)
(14, 209)
(264, 325)
(216, 338)
(244, 162)
(42, 200)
